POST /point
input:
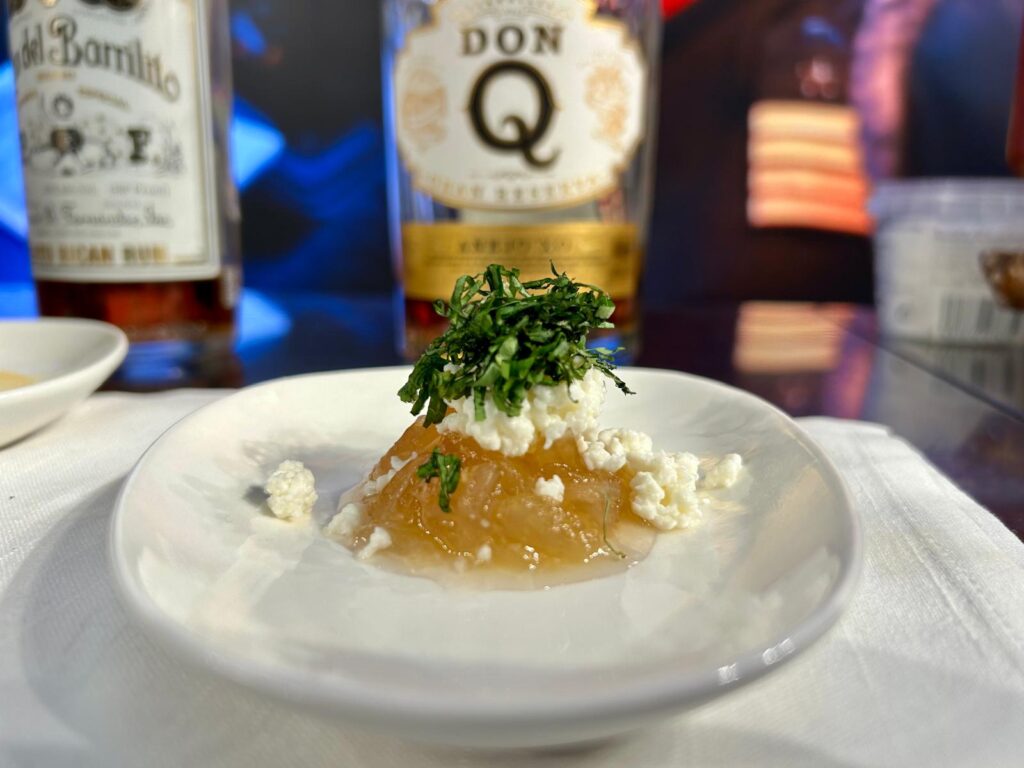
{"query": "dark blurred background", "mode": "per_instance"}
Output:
(310, 156)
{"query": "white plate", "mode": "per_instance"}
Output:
(280, 608)
(68, 359)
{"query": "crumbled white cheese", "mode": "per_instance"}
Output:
(380, 539)
(483, 555)
(612, 449)
(344, 524)
(724, 473)
(664, 484)
(373, 487)
(291, 490)
(665, 490)
(548, 412)
(553, 488)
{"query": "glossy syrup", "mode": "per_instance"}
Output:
(533, 541)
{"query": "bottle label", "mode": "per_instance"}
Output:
(606, 255)
(116, 139)
(520, 104)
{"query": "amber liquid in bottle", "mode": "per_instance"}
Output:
(181, 332)
(146, 311)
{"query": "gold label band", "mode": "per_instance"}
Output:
(606, 255)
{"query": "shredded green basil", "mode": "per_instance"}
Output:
(446, 469)
(506, 336)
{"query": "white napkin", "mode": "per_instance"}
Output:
(926, 667)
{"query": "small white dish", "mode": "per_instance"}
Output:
(278, 607)
(67, 361)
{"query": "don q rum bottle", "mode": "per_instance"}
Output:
(520, 132)
(123, 108)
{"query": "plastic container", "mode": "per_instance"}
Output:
(930, 239)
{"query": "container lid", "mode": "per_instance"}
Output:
(952, 200)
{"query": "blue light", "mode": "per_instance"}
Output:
(247, 34)
(260, 319)
(17, 300)
(255, 146)
(823, 29)
(12, 192)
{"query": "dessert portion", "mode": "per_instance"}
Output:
(11, 380)
(507, 470)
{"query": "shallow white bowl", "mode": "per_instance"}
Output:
(276, 606)
(69, 359)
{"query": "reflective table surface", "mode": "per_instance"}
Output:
(962, 407)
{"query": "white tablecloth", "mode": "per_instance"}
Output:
(926, 667)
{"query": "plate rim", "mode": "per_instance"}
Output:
(360, 701)
(104, 364)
